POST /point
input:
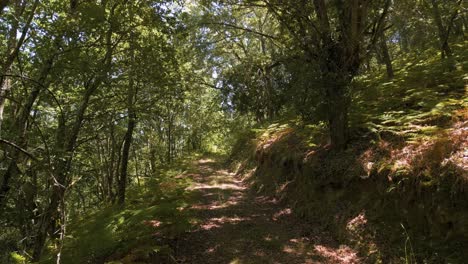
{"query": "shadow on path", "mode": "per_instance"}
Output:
(235, 226)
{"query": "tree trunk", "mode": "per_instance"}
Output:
(137, 167)
(443, 33)
(125, 156)
(386, 56)
(112, 161)
(131, 96)
(338, 106)
(66, 143)
(49, 216)
(126, 147)
(169, 140)
(152, 158)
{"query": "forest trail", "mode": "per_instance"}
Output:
(238, 226)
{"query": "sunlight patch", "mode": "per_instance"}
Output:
(218, 222)
(205, 161)
(235, 261)
(357, 222)
(343, 255)
(223, 186)
(284, 212)
(153, 223)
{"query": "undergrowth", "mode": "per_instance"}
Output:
(405, 165)
(133, 233)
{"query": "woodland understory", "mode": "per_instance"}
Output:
(233, 131)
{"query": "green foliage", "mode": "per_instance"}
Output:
(156, 207)
(417, 103)
(404, 130)
(18, 259)
(103, 98)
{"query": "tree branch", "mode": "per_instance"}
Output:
(378, 27)
(11, 144)
(228, 25)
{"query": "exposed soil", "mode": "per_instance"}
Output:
(237, 226)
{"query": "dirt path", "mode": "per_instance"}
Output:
(236, 226)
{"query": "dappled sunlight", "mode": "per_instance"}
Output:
(367, 162)
(272, 136)
(234, 225)
(205, 161)
(223, 186)
(282, 212)
(153, 223)
(301, 247)
(429, 153)
(459, 156)
(357, 222)
(215, 199)
(226, 173)
(404, 158)
(342, 255)
(218, 222)
(243, 132)
(235, 261)
(205, 169)
(214, 205)
(266, 199)
(209, 226)
(297, 246)
(212, 249)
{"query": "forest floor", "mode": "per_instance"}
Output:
(235, 225)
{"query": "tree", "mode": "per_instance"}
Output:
(246, 57)
(444, 31)
(14, 46)
(82, 75)
(67, 137)
(336, 35)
